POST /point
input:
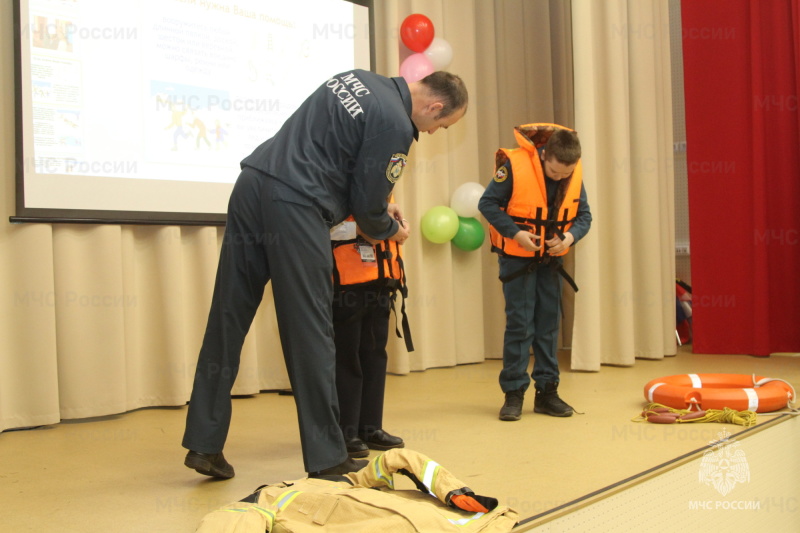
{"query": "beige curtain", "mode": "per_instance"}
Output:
(102, 319)
(527, 78)
(514, 56)
(626, 265)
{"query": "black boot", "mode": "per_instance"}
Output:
(356, 447)
(547, 401)
(209, 464)
(380, 440)
(512, 408)
(350, 465)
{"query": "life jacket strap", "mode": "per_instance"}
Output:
(403, 290)
(551, 226)
(534, 264)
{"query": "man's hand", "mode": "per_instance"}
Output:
(527, 240)
(402, 224)
(556, 246)
(402, 233)
(367, 237)
(395, 212)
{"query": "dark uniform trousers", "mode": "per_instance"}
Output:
(533, 312)
(272, 233)
(361, 325)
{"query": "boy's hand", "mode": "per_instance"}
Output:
(528, 240)
(556, 246)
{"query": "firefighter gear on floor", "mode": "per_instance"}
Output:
(352, 504)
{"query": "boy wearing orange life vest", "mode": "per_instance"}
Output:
(537, 208)
(367, 275)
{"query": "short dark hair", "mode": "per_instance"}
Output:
(564, 145)
(450, 88)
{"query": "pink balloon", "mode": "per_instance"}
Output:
(415, 67)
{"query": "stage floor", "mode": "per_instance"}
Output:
(125, 473)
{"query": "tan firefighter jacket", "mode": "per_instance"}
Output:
(352, 503)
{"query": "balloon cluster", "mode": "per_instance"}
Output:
(456, 223)
(430, 53)
(440, 224)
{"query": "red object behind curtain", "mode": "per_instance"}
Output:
(742, 73)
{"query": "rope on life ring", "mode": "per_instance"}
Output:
(739, 392)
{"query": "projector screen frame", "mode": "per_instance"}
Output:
(25, 214)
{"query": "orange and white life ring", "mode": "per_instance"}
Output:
(741, 392)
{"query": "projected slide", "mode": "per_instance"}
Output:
(151, 99)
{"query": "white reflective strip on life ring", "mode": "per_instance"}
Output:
(652, 390)
(696, 383)
(752, 399)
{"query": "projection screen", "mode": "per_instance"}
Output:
(140, 111)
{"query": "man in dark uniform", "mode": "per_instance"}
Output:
(340, 153)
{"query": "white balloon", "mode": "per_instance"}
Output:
(440, 53)
(465, 199)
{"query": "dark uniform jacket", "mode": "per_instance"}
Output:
(344, 148)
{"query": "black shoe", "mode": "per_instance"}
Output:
(209, 464)
(512, 408)
(350, 465)
(547, 402)
(356, 447)
(380, 440)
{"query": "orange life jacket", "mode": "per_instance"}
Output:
(352, 268)
(357, 262)
(528, 203)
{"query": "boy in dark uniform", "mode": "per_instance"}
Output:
(537, 208)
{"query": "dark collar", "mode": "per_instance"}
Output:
(405, 94)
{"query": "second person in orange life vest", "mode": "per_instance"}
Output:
(367, 275)
(536, 207)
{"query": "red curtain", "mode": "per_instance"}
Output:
(741, 75)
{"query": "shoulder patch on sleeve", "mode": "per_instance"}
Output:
(501, 175)
(395, 167)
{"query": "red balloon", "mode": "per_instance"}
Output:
(416, 32)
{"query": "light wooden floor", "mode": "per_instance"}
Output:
(125, 474)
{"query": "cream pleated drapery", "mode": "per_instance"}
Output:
(103, 319)
(623, 108)
(514, 56)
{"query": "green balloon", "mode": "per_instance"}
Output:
(470, 234)
(439, 224)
